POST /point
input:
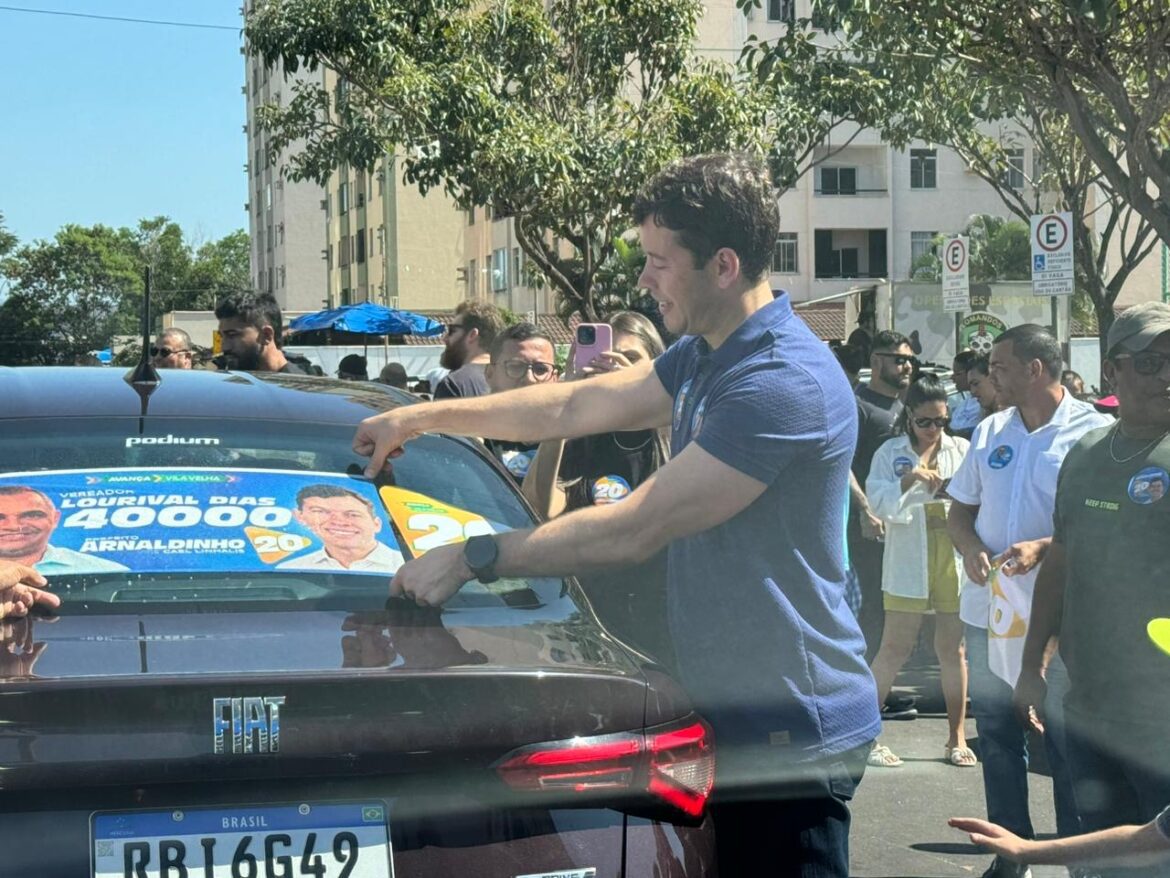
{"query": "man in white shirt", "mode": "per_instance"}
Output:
(348, 526)
(1001, 523)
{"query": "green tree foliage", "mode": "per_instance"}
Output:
(1086, 82)
(83, 289)
(555, 113)
(1000, 250)
(8, 240)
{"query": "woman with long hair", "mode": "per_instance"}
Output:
(920, 570)
(595, 470)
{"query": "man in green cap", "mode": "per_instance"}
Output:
(1105, 576)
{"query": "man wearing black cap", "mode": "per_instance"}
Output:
(1105, 575)
(353, 368)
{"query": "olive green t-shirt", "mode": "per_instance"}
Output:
(1113, 520)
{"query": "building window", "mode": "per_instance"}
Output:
(921, 244)
(359, 243)
(260, 280)
(343, 252)
(256, 161)
(271, 238)
(268, 196)
(782, 10)
(487, 213)
(329, 258)
(499, 270)
(346, 296)
(784, 259)
(381, 239)
(471, 216)
(1013, 172)
(343, 197)
(280, 274)
(472, 279)
(838, 181)
(924, 169)
(280, 235)
(517, 267)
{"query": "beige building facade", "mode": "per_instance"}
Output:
(285, 218)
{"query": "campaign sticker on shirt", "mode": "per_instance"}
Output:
(697, 419)
(902, 465)
(1001, 457)
(179, 520)
(609, 489)
(680, 403)
(1149, 485)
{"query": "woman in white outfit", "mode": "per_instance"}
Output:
(920, 571)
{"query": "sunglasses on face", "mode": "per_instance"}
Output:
(924, 423)
(1146, 362)
(166, 352)
(900, 359)
(519, 368)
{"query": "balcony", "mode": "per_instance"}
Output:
(847, 254)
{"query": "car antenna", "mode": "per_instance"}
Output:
(144, 372)
(144, 378)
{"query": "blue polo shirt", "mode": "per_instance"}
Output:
(766, 645)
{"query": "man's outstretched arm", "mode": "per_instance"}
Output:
(693, 492)
(627, 399)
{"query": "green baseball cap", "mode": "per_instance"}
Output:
(1138, 326)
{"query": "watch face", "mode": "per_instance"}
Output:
(481, 552)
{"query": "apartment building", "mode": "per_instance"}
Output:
(865, 212)
(285, 219)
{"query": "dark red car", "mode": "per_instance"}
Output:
(227, 690)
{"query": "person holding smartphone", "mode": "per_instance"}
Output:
(606, 468)
(920, 571)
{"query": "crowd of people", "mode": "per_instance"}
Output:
(741, 506)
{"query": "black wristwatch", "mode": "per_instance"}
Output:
(481, 554)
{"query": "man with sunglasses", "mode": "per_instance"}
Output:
(466, 346)
(879, 403)
(1001, 523)
(1106, 573)
(521, 356)
(172, 350)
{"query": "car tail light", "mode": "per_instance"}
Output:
(674, 763)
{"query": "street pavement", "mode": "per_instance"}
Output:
(900, 814)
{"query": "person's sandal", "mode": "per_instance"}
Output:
(882, 756)
(961, 757)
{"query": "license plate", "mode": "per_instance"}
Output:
(333, 840)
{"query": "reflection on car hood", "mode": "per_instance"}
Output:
(401, 638)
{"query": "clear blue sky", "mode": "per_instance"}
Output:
(109, 122)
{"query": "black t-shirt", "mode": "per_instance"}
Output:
(467, 380)
(876, 416)
(630, 601)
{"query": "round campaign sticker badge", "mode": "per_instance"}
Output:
(1149, 485)
(1001, 457)
(902, 465)
(610, 489)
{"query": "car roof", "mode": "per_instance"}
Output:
(96, 391)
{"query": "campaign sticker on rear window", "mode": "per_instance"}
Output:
(180, 520)
(426, 523)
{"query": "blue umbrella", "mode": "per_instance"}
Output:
(368, 318)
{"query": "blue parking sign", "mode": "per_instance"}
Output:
(1039, 261)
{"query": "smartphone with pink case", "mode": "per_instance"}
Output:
(593, 339)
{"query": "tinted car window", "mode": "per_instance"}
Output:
(444, 470)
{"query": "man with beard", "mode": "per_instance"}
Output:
(521, 356)
(250, 327)
(467, 350)
(879, 403)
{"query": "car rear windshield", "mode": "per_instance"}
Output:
(169, 511)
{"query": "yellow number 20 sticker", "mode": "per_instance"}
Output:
(426, 524)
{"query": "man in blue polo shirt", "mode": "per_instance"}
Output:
(752, 506)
